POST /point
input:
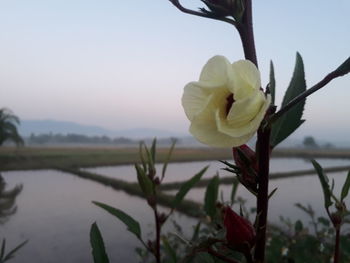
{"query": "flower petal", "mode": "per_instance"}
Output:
(243, 111)
(217, 71)
(245, 80)
(248, 129)
(194, 100)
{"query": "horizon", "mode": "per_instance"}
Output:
(118, 65)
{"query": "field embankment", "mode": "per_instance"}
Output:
(50, 158)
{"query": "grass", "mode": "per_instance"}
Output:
(26, 158)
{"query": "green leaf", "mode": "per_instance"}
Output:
(291, 120)
(97, 244)
(150, 161)
(345, 189)
(272, 84)
(234, 190)
(132, 224)
(196, 232)
(324, 183)
(3, 247)
(166, 161)
(169, 250)
(211, 196)
(142, 159)
(298, 226)
(153, 150)
(272, 193)
(344, 68)
(185, 187)
(11, 254)
(145, 182)
(203, 257)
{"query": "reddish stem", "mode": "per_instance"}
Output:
(220, 256)
(158, 229)
(263, 150)
(246, 33)
(337, 245)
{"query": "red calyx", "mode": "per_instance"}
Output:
(239, 231)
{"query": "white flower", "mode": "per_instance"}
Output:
(226, 105)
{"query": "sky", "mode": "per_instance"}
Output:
(123, 64)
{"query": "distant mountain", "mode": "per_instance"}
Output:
(64, 127)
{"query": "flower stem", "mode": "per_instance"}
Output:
(246, 33)
(158, 229)
(337, 245)
(334, 74)
(263, 151)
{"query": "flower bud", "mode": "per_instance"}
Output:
(247, 163)
(239, 231)
(336, 219)
(222, 8)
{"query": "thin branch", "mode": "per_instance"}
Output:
(334, 74)
(158, 229)
(337, 245)
(178, 5)
(220, 256)
(246, 33)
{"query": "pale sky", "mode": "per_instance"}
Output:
(123, 64)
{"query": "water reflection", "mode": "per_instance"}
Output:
(55, 213)
(183, 171)
(7, 200)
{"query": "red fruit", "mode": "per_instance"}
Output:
(239, 231)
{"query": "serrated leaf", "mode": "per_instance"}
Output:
(98, 247)
(144, 181)
(132, 225)
(187, 187)
(211, 196)
(346, 187)
(344, 68)
(324, 183)
(291, 120)
(272, 83)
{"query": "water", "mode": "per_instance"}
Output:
(183, 171)
(55, 211)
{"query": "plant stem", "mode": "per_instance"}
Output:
(246, 33)
(296, 100)
(263, 151)
(158, 229)
(220, 256)
(337, 245)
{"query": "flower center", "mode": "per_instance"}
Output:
(229, 101)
